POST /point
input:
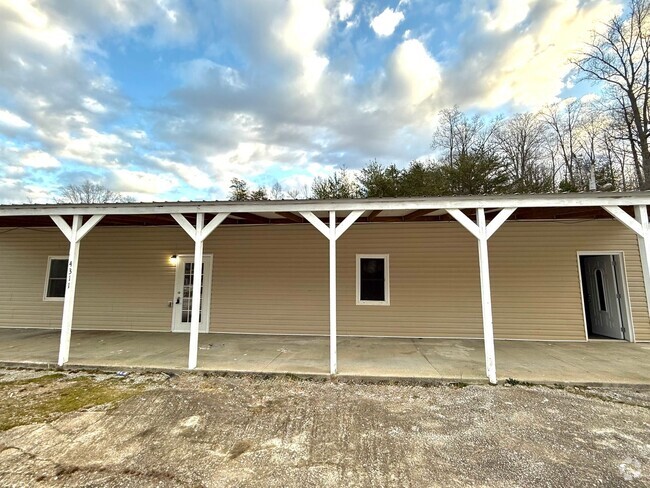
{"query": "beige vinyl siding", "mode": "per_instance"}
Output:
(23, 269)
(535, 278)
(274, 279)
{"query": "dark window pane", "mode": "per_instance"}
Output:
(372, 278)
(58, 268)
(372, 268)
(56, 279)
(56, 288)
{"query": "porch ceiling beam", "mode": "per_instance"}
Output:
(418, 213)
(373, 215)
(251, 217)
(291, 216)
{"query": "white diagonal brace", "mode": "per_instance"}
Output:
(624, 218)
(213, 224)
(465, 221)
(316, 222)
(347, 222)
(498, 221)
(88, 226)
(63, 225)
(187, 227)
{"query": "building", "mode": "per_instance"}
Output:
(562, 267)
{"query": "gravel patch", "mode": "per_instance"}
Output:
(193, 430)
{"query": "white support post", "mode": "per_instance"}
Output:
(74, 234)
(486, 298)
(332, 233)
(482, 231)
(641, 214)
(333, 334)
(196, 293)
(198, 234)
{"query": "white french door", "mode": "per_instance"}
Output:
(182, 304)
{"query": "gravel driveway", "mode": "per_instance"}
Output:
(191, 430)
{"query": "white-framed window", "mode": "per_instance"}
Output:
(57, 269)
(373, 285)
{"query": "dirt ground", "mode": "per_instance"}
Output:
(190, 430)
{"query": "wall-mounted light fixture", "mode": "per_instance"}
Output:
(173, 260)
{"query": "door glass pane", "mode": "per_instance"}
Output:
(186, 302)
(372, 279)
(601, 291)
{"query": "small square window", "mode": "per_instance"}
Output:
(372, 280)
(57, 268)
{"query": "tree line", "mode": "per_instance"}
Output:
(601, 143)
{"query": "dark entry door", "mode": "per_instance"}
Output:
(602, 297)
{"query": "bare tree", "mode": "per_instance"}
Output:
(620, 57)
(277, 193)
(459, 135)
(89, 192)
(521, 143)
(563, 120)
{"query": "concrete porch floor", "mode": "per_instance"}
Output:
(596, 362)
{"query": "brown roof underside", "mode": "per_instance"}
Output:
(569, 213)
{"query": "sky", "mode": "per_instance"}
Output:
(169, 100)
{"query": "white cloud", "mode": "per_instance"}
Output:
(386, 22)
(413, 72)
(193, 176)
(304, 28)
(137, 134)
(205, 71)
(142, 182)
(502, 65)
(11, 120)
(507, 14)
(345, 9)
(91, 147)
(93, 105)
(39, 159)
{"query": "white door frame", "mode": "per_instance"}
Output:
(204, 325)
(623, 288)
